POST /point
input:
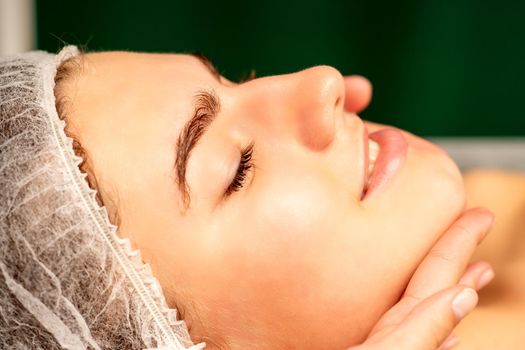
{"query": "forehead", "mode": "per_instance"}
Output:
(132, 105)
(135, 82)
(114, 65)
(116, 91)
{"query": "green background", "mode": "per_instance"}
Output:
(438, 68)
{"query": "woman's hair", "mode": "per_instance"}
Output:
(66, 72)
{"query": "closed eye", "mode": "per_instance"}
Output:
(245, 165)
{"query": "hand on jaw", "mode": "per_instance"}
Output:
(443, 288)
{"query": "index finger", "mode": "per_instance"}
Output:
(448, 259)
(443, 266)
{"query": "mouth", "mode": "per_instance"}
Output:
(384, 153)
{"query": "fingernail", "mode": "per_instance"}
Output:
(485, 278)
(488, 223)
(464, 302)
(489, 216)
(450, 342)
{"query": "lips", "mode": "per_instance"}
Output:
(393, 148)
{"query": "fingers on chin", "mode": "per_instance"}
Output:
(477, 275)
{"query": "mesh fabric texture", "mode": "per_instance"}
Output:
(67, 280)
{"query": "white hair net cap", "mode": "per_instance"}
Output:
(67, 281)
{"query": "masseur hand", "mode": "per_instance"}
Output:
(440, 293)
(358, 93)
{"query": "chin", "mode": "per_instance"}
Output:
(435, 197)
(442, 197)
(450, 180)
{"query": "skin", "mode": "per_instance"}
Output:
(498, 321)
(294, 259)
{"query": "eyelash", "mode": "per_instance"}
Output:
(245, 165)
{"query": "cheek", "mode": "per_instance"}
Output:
(278, 242)
(434, 193)
(293, 214)
(313, 254)
(289, 215)
(408, 219)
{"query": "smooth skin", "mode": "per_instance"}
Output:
(498, 321)
(427, 313)
(423, 318)
(294, 258)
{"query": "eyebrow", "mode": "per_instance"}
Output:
(207, 106)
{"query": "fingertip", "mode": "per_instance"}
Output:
(359, 79)
(464, 302)
(486, 277)
(482, 210)
(477, 275)
(358, 93)
(451, 342)
(483, 216)
(489, 217)
(435, 318)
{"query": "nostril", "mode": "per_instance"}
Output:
(334, 86)
(338, 102)
(318, 103)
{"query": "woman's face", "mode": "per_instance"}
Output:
(287, 257)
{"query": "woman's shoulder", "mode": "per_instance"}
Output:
(494, 187)
(492, 178)
(497, 322)
(504, 247)
(502, 192)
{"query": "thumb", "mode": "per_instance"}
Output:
(429, 324)
(358, 93)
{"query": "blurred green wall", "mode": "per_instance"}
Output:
(438, 67)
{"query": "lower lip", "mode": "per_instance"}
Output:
(393, 149)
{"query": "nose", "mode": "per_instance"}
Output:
(320, 99)
(304, 104)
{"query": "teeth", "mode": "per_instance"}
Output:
(373, 151)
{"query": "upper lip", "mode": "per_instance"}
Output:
(366, 159)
